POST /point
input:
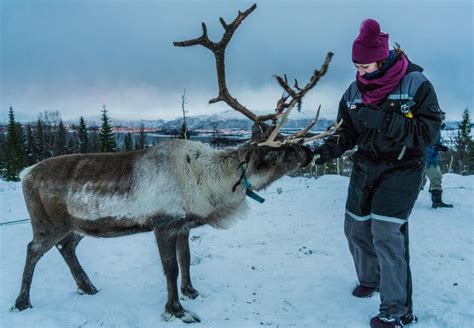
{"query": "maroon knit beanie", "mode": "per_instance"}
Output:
(371, 45)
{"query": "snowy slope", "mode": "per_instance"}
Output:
(286, 265)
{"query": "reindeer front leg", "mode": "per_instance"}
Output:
(184, 260)
(167, 247)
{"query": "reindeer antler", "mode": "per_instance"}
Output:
(290, 98)
(284, 107)
(218, 49)
(277, 143)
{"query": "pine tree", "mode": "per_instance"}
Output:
(83, 138)
(40, 141)
(3, 150)
(93, 139)
(463, 141)
(60, 140)
(128, 142)
(14, 158)
(107, 137)
(141, 142)
(20, 132)
(72, 146)
(30, 146)
(470, 160)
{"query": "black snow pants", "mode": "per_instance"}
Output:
(380, 199)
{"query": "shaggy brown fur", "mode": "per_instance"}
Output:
(170, 189)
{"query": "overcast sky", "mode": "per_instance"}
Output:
(75, 56)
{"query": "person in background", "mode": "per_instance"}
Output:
(433, 173)
(391, 113)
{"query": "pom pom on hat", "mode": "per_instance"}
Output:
(369, 30)
(371, 45)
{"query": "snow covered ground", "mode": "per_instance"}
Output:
(286, 265)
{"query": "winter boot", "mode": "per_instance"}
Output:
(436, 199)
(363, 291)
(408, 318)
(385, 321)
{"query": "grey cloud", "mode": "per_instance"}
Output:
(74, 55)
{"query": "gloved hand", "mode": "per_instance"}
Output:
(321, 155)
(372, 117)
(442, 148)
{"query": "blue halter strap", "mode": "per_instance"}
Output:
(248, 186)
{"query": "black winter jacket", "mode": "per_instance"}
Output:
(415, 133)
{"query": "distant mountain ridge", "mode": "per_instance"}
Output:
(225, 120)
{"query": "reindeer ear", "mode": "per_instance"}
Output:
(270, 158)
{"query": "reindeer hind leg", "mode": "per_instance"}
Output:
(35, 250)
(46, 233)
(67, 248)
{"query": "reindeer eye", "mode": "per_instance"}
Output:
(289, 154)
(271, 157)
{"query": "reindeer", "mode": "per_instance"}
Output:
(170, 188)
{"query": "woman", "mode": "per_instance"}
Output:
(391, 113)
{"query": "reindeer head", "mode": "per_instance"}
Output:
(270, 154)
(264, 165)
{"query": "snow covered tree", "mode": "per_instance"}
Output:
(14, 157)
(107, 137)
(83, 138)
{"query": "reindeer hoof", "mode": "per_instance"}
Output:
(177, 311)
(189, 293)
(190, 317)
(89, 290)
(21, 304)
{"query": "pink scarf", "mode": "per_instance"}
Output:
(377, 89)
